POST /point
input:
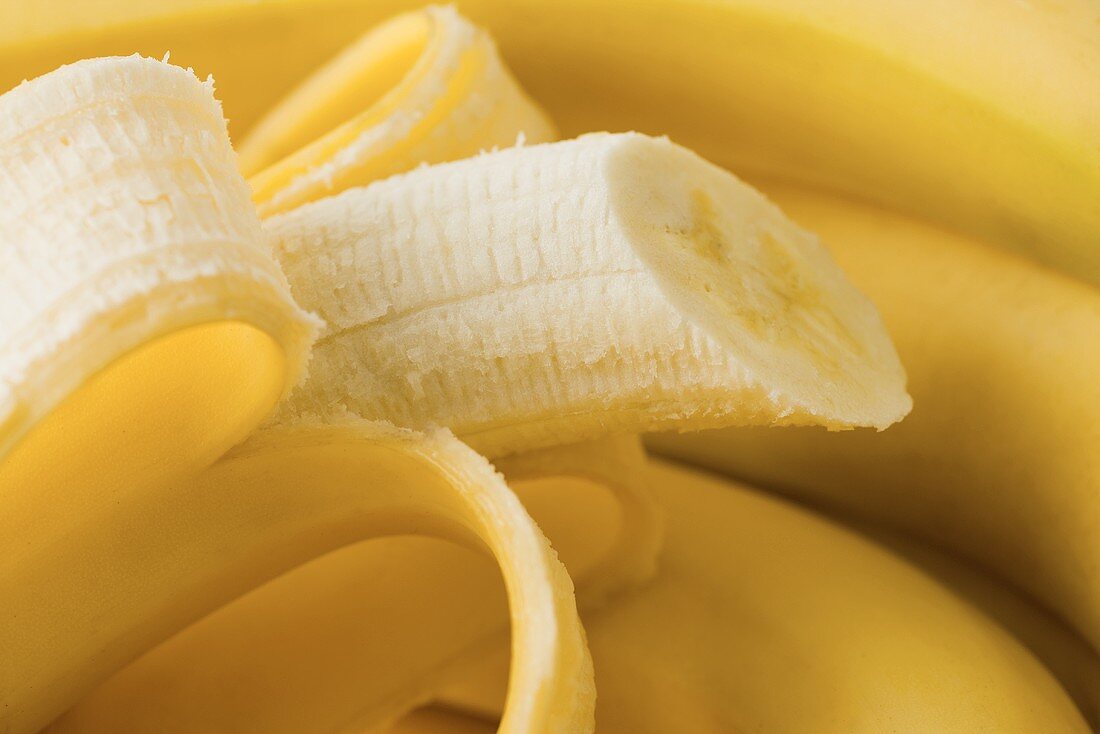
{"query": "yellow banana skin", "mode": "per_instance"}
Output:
(1071, 659)
(424, 87)
(818, 93)
(998, 463)
(195, 545)
(357, 636)
(765, 617)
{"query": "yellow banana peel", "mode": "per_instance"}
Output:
(287, 496)
(361, 635)
(424, 87)
(1066, 654)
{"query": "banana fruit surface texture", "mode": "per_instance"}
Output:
(250, 393)
(645, 288)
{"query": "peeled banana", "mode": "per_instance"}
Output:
(556, 292)
(161, 318)
(197, 537)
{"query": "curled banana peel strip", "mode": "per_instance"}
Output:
(286, 496)
(145, 545)
(424, 87)
(363, 634)
(803, 593)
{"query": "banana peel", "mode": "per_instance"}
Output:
(424, 87)
(359, 636)
(285, 497)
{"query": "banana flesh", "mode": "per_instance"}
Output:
(423, 87)
(785, 622)
(999, 464)
(124, 221)
(554, 293)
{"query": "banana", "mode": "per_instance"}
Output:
(999, 99)
(552, 293)
(666, 262)
(129, 250)
(141, 311)
(423, 87)
(998, 464)
(764, 617)
(152, 542)
(1065, 653)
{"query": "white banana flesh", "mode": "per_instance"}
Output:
(557, 292)
(123, 218)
